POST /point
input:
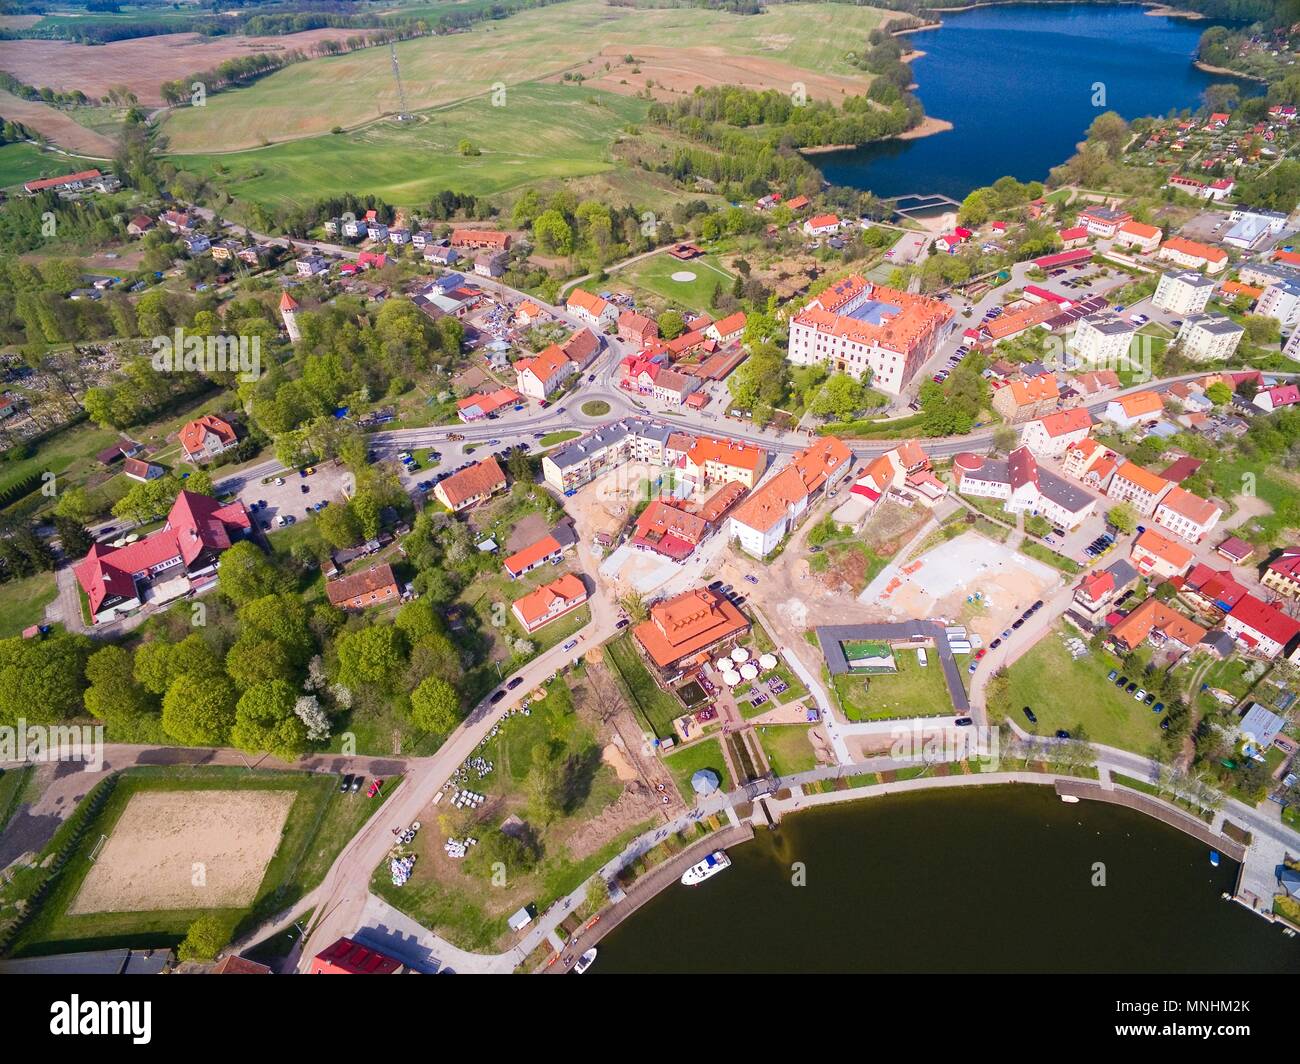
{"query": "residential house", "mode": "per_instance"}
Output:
(139, 225)
(1210, 590)
(1096, 381)
(547, 550)
(687, 625)
(138, 469)
(760, 522)
(491, 263)
(1099, 590)
(67, 183)
(346, 957)
(1281, 301)
(637, 328)
(729, 330)
(1276, 397)
(206, 437)
(1193, 255)
(1139, 236)
(549, 602)
(822, 225)
(1053, 435)
(375, 586)
(666, 528)
(631, 439)
(1282, 574)
(470, 486)
(711, 460)
(1261, 628)
(1138, 487)
(310, 265)
(1022, 400)
(1185, 514)
(1156, 555)
(544, 374)
(1074, 237)
(1137, 408)
(529, 313)
(1159, 624)
(591, 309)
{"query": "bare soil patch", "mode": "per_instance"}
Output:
(186, 850)
(142, 64)
(55, 125)
(677, 71)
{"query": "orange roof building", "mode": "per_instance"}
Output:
(206, 437)
(370, 587)
(470, 486)
(694, 622)
(762, 520)
(545, 549)
(856, 326)
(1155, 554)
(549, 602)
(1139, 487)
(711, 459)
(1193, 255)
(1159, 623)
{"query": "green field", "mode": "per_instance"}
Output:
(23, 602)
(25, 162)
(655, 275)
(684, 763)
(913, 691)
(303, 99)
(788, 749)
(655, 706)
(1065, 693)
(546, 132)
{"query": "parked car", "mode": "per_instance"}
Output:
(995, 644)
(515, 682)
(1111, 675)
(715, 585)
(1061, 733)
(752, 579)
(570, 644)
(496, 696)
(1139, 695)
(1159, 707)
(963, 722)
(623, 622)
(1029, 715)
(972, 666)
(1131, 687)
(1122, 681)
(345, 783)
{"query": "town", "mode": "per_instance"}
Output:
(549, 540)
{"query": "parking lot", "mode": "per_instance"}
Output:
(293, 495)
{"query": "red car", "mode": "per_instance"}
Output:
(376, 786)
(980, 653)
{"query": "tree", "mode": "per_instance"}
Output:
(1004, 438)
(435, 706)
(671, 325)
(841, 397)
(1219, 393)
(114, 695)
(338, 526)
(199, 710)
(207, 936)
(265, 720)
(246, 574)
(42, 680)
(73, 536)
(545, 785)
(1123, 518)
(371, 657)
(634, 606)
(158, 663)
(553, 234)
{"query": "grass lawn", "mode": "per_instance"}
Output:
(1045, 554)
(655, 706)
(913, 691)
(551, 439)
(788, 749)
(26, 162)
(12, 782)
(23, 602)
(546, 132)
(655, 275)
(595, 408)
(1065, 693)
(319, 823)
(684, 763)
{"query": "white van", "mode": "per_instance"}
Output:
(921, 658)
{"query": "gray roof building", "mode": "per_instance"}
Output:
(1261, 724)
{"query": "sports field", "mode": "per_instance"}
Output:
(789, 42)
(548, 131)
(688, 284)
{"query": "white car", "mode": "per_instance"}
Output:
(279, 482)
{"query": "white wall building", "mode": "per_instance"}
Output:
(1209, 337)
(1184, 292)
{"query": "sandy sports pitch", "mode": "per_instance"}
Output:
(186, 850)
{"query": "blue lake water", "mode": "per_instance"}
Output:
(1018, 83)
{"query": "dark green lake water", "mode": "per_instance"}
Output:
(990, 879)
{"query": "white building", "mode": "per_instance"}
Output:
(1023, 487)
(761, 521)
(1250, 228)
(1281, 300)
(1053, 435)
(1187, 515)
(1184, 292)
(861, 328)
(591, 308)
(1209, 337)
(1102, 339)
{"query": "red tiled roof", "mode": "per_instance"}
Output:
(193, 433)
(1265, 619)
(531, 554)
